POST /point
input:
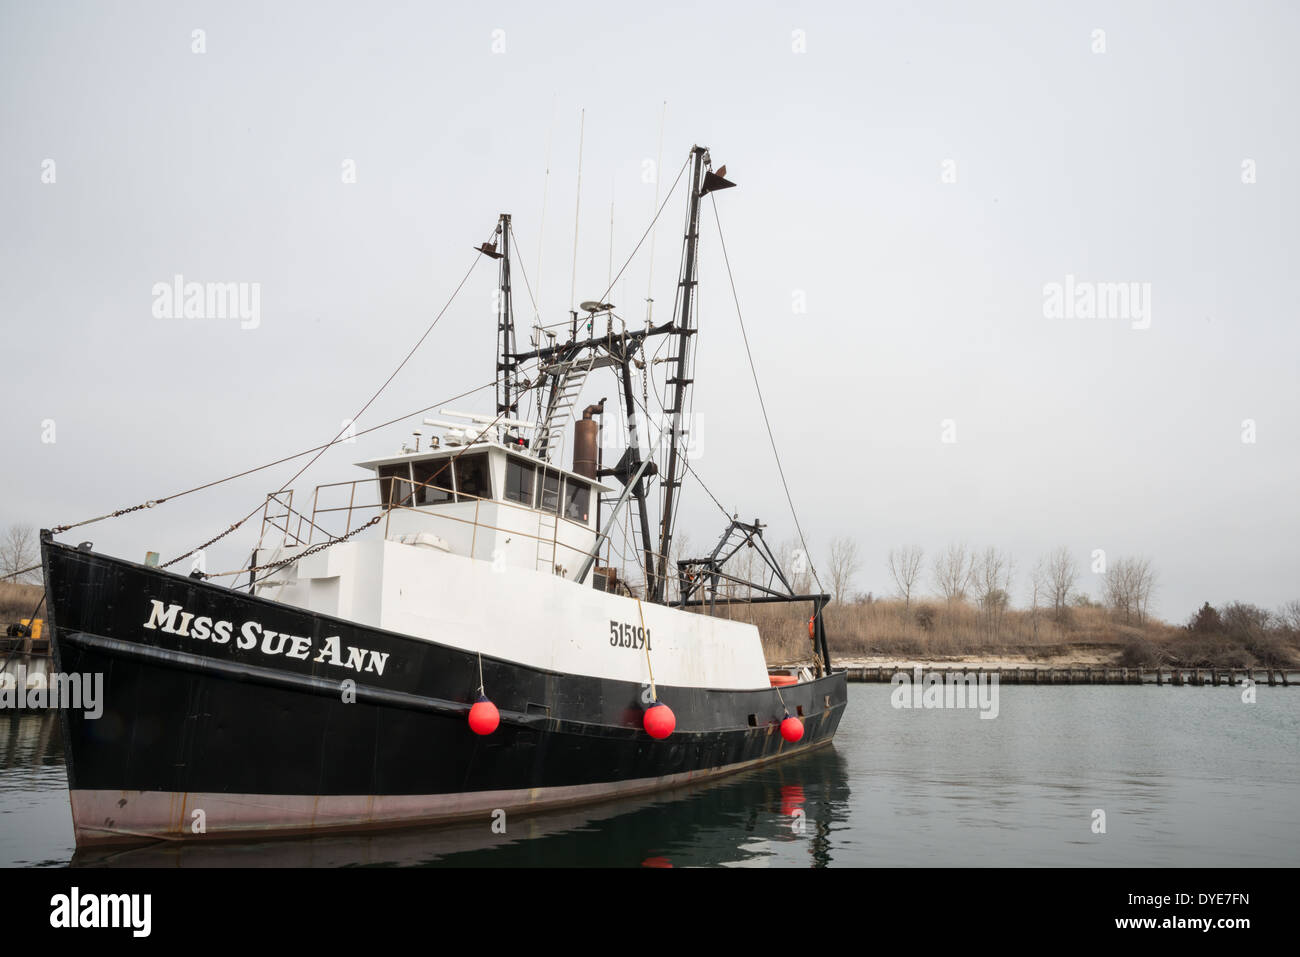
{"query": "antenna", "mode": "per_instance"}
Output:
(541, 226)
(659, 162)
(577, 208)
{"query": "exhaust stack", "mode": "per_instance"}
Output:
(585, 441)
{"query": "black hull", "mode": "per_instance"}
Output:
(265, 743)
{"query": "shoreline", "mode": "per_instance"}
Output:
(1014, 670)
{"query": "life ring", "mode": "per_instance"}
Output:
(781, 681)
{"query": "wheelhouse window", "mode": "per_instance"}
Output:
(519, 482)
(548, 494)
(395, 485)
(577, 499)
(472, 477)
(433, 482)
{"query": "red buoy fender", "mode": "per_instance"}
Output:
(484, 716)
(659, 721)
(791, 729)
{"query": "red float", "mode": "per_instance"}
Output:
(792, 798)
(484, 717)
(791, 729)
(659, 721)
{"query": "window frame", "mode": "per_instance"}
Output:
(485, 465)
(515, 462)
(571, 482)
(393, 480)
(549, 472)
(434, 467)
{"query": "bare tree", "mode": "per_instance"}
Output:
(953, 572)
(1289, 614)
(1127, 588)
(844, 564)
(905, 569)
(1062, 573)
(1146, 584)
(18, 553)
(992, 586)
(1038, 589)
(1117, 588)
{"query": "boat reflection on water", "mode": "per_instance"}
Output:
(29, 741)
(780, 814)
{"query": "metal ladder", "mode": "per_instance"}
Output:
(571, 380)
(548, 527)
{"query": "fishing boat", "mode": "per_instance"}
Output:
(450, 637)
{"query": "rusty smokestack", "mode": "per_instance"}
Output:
(585, 440)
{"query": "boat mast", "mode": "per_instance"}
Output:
(620, 350)
(507, 364)
(679, 380)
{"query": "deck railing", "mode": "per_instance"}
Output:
(279, 515)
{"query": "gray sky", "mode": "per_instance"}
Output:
(924, 298)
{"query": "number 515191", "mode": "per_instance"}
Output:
(623, 635)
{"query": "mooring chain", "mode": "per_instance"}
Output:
(319, 546)
(210, 541)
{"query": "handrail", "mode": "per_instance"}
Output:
(319, 512)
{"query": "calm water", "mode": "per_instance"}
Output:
(1186, 776)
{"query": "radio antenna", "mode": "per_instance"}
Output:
(650, 283)
(577, 209)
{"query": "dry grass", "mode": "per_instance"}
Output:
(17, 601)
(938, 630)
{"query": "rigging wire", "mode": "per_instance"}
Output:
(401, 365)
(656, 446)
(758, 389)
(524, 272)
(21, 571)
(647, 229)
(288, 458)
(319, 450)
(533, 399)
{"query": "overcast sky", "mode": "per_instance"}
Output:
(911, 178)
